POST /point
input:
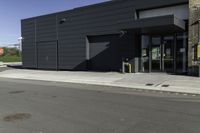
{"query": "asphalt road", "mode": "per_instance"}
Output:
(50, 107)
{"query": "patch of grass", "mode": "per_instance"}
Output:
(9, 58)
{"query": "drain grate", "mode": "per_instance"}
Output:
(149, 84)
(165, 85)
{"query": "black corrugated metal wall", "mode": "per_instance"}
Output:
(58, 41)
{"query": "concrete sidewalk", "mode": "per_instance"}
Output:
(4, 64)
(147, 81)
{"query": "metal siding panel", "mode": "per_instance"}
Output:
(29, 55)
(28, 44)
(71, 55)
(78, 25)
(46, 28)
(110, 16)
(28, 31)
(47, 55)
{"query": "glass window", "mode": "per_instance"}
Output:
(168, 53)
(181, 52)
(145, 53)
(156, 53)
(156, 40)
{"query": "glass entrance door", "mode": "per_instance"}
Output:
(162, 53)
(156, 54)
(168, 54)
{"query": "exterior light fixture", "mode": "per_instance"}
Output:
(63, 20)
(122, 33)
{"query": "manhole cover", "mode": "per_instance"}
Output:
(16, 92)
(17, 117)
(165, 85)
(149, 84)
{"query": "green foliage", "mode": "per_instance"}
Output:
(10, 58)
(11, 51)
(10, 55)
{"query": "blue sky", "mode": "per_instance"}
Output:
(12, 11)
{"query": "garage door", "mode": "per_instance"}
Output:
(104, 53)
(47, 55)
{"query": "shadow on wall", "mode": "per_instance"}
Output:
(106, 52)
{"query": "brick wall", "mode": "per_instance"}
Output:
(194, 6)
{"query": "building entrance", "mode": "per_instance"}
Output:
(163, 53)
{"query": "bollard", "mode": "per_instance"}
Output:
(129, 67)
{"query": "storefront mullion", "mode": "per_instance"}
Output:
(164, 53)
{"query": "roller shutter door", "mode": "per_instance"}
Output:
(104, 53)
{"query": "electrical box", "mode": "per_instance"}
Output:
(198, 51)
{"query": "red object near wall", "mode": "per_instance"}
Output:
(1, 51)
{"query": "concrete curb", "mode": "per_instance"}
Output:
(173, 89)
(5, 64)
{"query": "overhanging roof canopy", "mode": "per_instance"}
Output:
(166, 24)
(162, 25)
